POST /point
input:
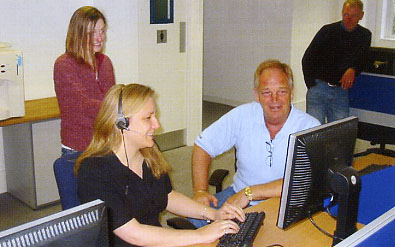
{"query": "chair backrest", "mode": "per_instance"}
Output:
(67, 183)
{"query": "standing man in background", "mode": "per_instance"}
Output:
(337, 54)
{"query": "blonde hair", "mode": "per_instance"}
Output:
(273, 64)
(356, 3)
(80, 27)
(107, 137)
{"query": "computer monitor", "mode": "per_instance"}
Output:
(84, 225)
(318, 165)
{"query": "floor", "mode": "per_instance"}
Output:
(13, 212)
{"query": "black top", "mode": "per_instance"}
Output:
(126, 195)
(333, 50)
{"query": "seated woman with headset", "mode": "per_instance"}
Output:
(123, 167)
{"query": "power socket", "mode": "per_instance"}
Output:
(161, 36)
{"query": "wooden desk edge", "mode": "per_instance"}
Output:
(302, 233)
(36, 110)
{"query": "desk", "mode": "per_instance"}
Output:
(301, 234)
(31, 145)
(36, 110)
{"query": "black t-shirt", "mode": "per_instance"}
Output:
(126, 195)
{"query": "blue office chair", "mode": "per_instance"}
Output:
(67, 184)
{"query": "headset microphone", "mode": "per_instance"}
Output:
(122, 122)
(137, 132)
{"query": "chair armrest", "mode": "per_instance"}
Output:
(180, 223)
(217, 178)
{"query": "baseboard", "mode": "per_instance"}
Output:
(3, 184)
(300, 104)
(171, 140)
(222, 101)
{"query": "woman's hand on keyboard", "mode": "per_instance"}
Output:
(217, 229)
(229, 211)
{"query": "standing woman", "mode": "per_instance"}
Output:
(82, 76)
(123, 167)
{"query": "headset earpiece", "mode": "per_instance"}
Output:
(122, 122)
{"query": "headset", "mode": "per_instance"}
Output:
(122, 122)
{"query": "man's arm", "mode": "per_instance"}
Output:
(311, 58)
(361, 61)
(201, 161)
(259, 192)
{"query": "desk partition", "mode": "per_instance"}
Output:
(379, 232)
(372, 100)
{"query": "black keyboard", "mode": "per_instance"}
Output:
(247, 233)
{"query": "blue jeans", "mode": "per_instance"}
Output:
(65, 179)
(326, 102)
(222, 197)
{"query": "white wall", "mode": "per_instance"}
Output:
(38, 28)
(238, 35)
(305, 26)
(160, 66)
(122, 44)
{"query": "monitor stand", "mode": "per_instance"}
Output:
(346, 184)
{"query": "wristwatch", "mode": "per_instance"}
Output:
(248, 193)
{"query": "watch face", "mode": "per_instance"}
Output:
(248, 193)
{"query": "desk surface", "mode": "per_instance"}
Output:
(36, 110)
(301, 234)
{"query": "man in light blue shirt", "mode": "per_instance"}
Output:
(259, 132)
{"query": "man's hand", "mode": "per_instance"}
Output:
(229, 211)
(239, 199)
(348, 78)
(205, 198)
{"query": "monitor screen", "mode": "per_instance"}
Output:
(84, 225)
(319, 165)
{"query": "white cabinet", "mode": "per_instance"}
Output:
(29, 151)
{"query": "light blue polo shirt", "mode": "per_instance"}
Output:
(244, 127)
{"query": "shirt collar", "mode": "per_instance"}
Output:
(345, 29)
